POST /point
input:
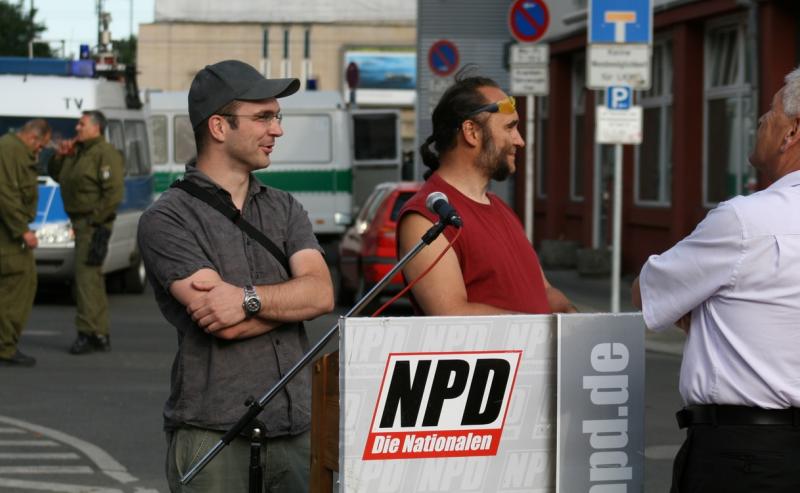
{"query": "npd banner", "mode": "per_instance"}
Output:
(448, 404)
(500, 404)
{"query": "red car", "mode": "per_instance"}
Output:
(368, 249)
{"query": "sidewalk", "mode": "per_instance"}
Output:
(593, 294)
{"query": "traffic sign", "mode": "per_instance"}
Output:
(443, 58)
(618, 65)
(618, 126)
(529, 69)
(525, 54)
(620, 21)
(352, 75)
(528, 20)
(619, 97)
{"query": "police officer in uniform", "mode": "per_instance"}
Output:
(90, 171)
(18, 198)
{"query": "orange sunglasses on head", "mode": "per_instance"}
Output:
(505, 105)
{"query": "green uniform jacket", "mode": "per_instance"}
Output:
(91, 180)
(18, 192)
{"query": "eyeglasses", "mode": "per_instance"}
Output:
(505, 105)
(263, 118)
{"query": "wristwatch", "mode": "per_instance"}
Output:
(252, 302)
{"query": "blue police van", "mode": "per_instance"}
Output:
(58, 91)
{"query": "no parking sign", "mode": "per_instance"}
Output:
(528, 20)
(443, 58)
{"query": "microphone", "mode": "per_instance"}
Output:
(438, 204)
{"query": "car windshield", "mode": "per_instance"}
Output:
(63, 128)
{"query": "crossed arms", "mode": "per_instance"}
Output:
(216, 306)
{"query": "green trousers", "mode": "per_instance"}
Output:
(286, 463)
(17, 290)
(90, 285)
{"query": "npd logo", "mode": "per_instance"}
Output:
(442, 405)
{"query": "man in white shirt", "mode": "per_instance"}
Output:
(734, 286)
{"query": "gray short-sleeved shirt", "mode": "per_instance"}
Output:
(211, 377)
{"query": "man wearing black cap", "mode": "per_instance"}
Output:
(237, 309)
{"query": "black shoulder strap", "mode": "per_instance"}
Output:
(235, 217)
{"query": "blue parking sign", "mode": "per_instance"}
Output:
(619, 97)
(620, 21)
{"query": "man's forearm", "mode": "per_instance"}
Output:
(247, 328)
(298, 299)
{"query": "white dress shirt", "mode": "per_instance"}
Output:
(738, 273)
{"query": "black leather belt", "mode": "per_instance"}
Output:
(716, 415)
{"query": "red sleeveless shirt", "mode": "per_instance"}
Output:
(499, 265)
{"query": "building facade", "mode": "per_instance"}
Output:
(715, 66)
(308, 40)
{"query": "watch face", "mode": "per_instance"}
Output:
(252, 305)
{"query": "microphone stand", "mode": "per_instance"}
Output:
(254, 407)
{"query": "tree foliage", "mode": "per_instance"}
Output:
(126, 50)
(17, 27)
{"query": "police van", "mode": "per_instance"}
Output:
(328, 157)
(58, 91)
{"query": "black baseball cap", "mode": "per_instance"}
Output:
(219, 84)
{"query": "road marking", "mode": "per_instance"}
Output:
(40, 456)
(661, 452)
(46, 470)
(107, 464)
(19, 484)
(28, 443)
(11, 431)
(34, 332)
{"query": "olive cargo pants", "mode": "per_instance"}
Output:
(90, 285)
(17, 291)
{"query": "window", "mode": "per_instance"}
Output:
(116, 135)
(137, 158)
(653, 182)
(375, 136)
(729, 115)
(183, 135)
(294, 147)
(542, 163)
(576, 164)
(158, 144)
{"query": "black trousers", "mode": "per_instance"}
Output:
(738, 459)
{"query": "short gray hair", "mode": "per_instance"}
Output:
(791, 93)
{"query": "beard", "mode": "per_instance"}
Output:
(493, 162)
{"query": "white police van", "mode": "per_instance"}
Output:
(58, 91)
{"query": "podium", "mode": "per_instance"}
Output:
(550, 403)
(324, 422)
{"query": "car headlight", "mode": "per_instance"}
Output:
(60, 234)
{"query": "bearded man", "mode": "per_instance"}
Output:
(492, 268)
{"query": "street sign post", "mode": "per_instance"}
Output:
(618, 122)
(529, 69)
(620, 21)
(352, 76)
(620, 34)
(443, 58)
(528, 21)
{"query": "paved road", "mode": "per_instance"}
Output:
(93, 423)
